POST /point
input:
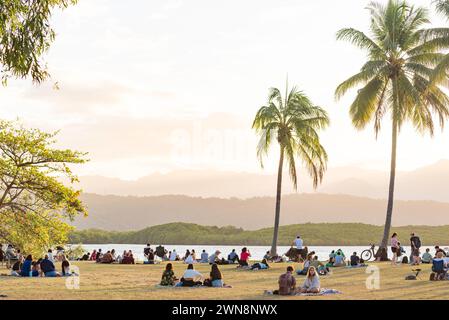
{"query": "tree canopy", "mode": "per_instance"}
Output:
(34, 203)
(25, 34)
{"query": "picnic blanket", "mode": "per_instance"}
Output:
(323, 292)
(358, 266)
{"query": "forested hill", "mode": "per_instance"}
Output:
(313, 234)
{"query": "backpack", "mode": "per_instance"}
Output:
(405, 260)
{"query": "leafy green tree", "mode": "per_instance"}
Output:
(25, 35)
(294, 122)
(34, 204)
(396, 79)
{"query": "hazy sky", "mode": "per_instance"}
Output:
(151, 86)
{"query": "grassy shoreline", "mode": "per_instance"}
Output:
(316, 234)
(106, 282)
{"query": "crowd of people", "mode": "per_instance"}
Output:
(27, 266)
(312, 267)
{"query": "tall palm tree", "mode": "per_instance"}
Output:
(396, 79)
(294, 122)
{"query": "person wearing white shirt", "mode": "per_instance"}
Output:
(173, 255)
(50, 255)
(189, 259)
(190, 278)
(298, 243)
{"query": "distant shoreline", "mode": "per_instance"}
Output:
(317, 234)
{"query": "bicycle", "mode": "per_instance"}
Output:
(368, 253)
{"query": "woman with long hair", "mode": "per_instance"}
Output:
(394, 248)
(168, 277)
(312, 282)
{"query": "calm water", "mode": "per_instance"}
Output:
(257, 252)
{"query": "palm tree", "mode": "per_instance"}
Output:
(442, 6)
(396, 79)
(294, 121)
(438, 38)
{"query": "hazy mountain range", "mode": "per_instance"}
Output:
(246, 200)
(427, 183)
(133, 213)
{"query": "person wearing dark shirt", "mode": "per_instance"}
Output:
(355, 260)
(26, 268)
(48, 268)
(415, 244)
(437, 249)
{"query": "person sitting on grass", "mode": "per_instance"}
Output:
(17, 267)
(168, 276)
(186, 254)
(48, 268)
(107, 258)
(93, 256)
(439, 267)
(65, 267)
(99, 256)
(339, 260)
(311, 283)
(426, 257)
(151, 257)
(191, 278)
(216, 278)
(188, 259)
(355, 260)
(233, 257)
(319, 266)
(260, 265)
(26, 268)
(287, 283)
(214, 258)
(267, 255)
(204, 257)
(128, 258)
(438, 249)
(50, 255)
(174, 256)
(244, 257)
(306, 265)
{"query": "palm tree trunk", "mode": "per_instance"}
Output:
(391, 188)
(278, 204)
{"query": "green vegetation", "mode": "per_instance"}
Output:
(294, 122)
(33, 203)
(398, 78)
(25, 35)
(313, 234)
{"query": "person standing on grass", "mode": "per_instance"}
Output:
(415, 243)
(394, 248)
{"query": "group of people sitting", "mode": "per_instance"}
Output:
(193, 278)
(287, 282)
(190, 257)
(43, 267)
(109, 257)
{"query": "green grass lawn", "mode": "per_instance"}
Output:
(138, 282)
